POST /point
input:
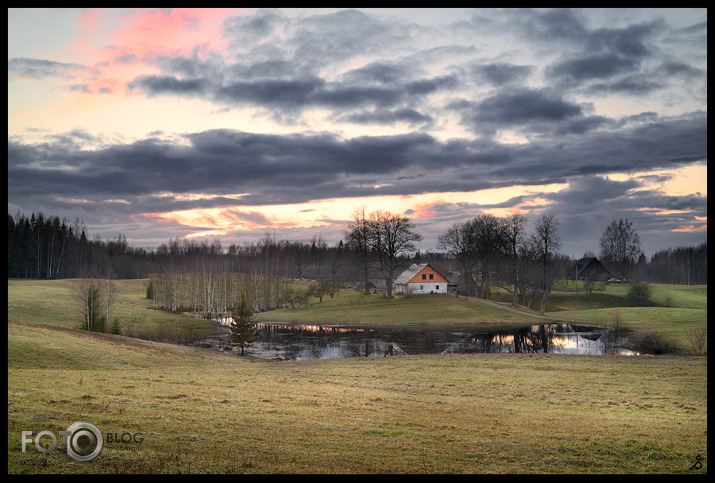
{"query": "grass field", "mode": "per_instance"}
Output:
(201, 411)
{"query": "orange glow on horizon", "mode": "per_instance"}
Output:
(688, 180)
(691, 229)
(658, 211)
(336, 212)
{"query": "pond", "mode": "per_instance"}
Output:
(302, 341)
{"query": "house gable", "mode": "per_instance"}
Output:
(421, 278)
(589, 268)
(428, 274)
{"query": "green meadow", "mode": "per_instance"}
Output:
(183, 409)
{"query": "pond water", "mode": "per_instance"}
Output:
(301, 341)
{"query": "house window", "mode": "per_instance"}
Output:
(431, 276)
(422, 288)
(436, 287)
(424, 276)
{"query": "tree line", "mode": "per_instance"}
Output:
(378, 244)
(50, 248)
(489, 247)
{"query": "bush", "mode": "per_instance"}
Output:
(697, 339)
(639, 295)
(618, 325)
(655, 343)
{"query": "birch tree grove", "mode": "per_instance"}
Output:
(203, 279)
(94, 296)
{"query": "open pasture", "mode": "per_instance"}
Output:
(202, 411)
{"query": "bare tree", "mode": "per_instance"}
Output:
(488, 239)
(358, 240)
(475, 244)
(546, 241)
(110, 292)
(392, 236)
(458, 240)
(513, 246)
(87, 293)
(620, 246)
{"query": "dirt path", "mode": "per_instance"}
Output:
(509, 308)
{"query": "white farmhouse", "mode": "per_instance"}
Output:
(420, 278)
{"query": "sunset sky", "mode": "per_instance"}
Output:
(158, 123)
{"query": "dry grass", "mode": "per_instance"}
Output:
(201, 411)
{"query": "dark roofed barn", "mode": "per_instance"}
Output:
(589, 268)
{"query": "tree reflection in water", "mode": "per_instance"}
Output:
(554, 339)
(283, 341)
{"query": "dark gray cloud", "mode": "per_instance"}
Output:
(524, 106)
(629, 41)
(293, 94)
(527, 111)
(385, 73)
(227, 161)
(253, 29)
(387, 117)
(40, 68)
(559, 25)
(169, 85)
(500, 74)
(597, 66)
(634, 84)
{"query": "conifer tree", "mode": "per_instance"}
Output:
(243, 326)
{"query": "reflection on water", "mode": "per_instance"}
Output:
(554, 339)
(282, 341)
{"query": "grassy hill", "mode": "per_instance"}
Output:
(676, 310)
(202, 411)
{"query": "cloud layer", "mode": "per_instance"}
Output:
(282, 108)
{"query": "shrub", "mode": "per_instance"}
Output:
(639, 295)
(618, 324)
(655, 343)
(697, 339)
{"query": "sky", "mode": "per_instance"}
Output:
(237, 123)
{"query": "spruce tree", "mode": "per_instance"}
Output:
(243, 326)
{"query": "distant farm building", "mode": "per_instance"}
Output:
(589, 268)
(420, 278)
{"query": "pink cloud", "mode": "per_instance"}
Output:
(118, 45)
(147, 33)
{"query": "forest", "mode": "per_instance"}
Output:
(47, 247)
